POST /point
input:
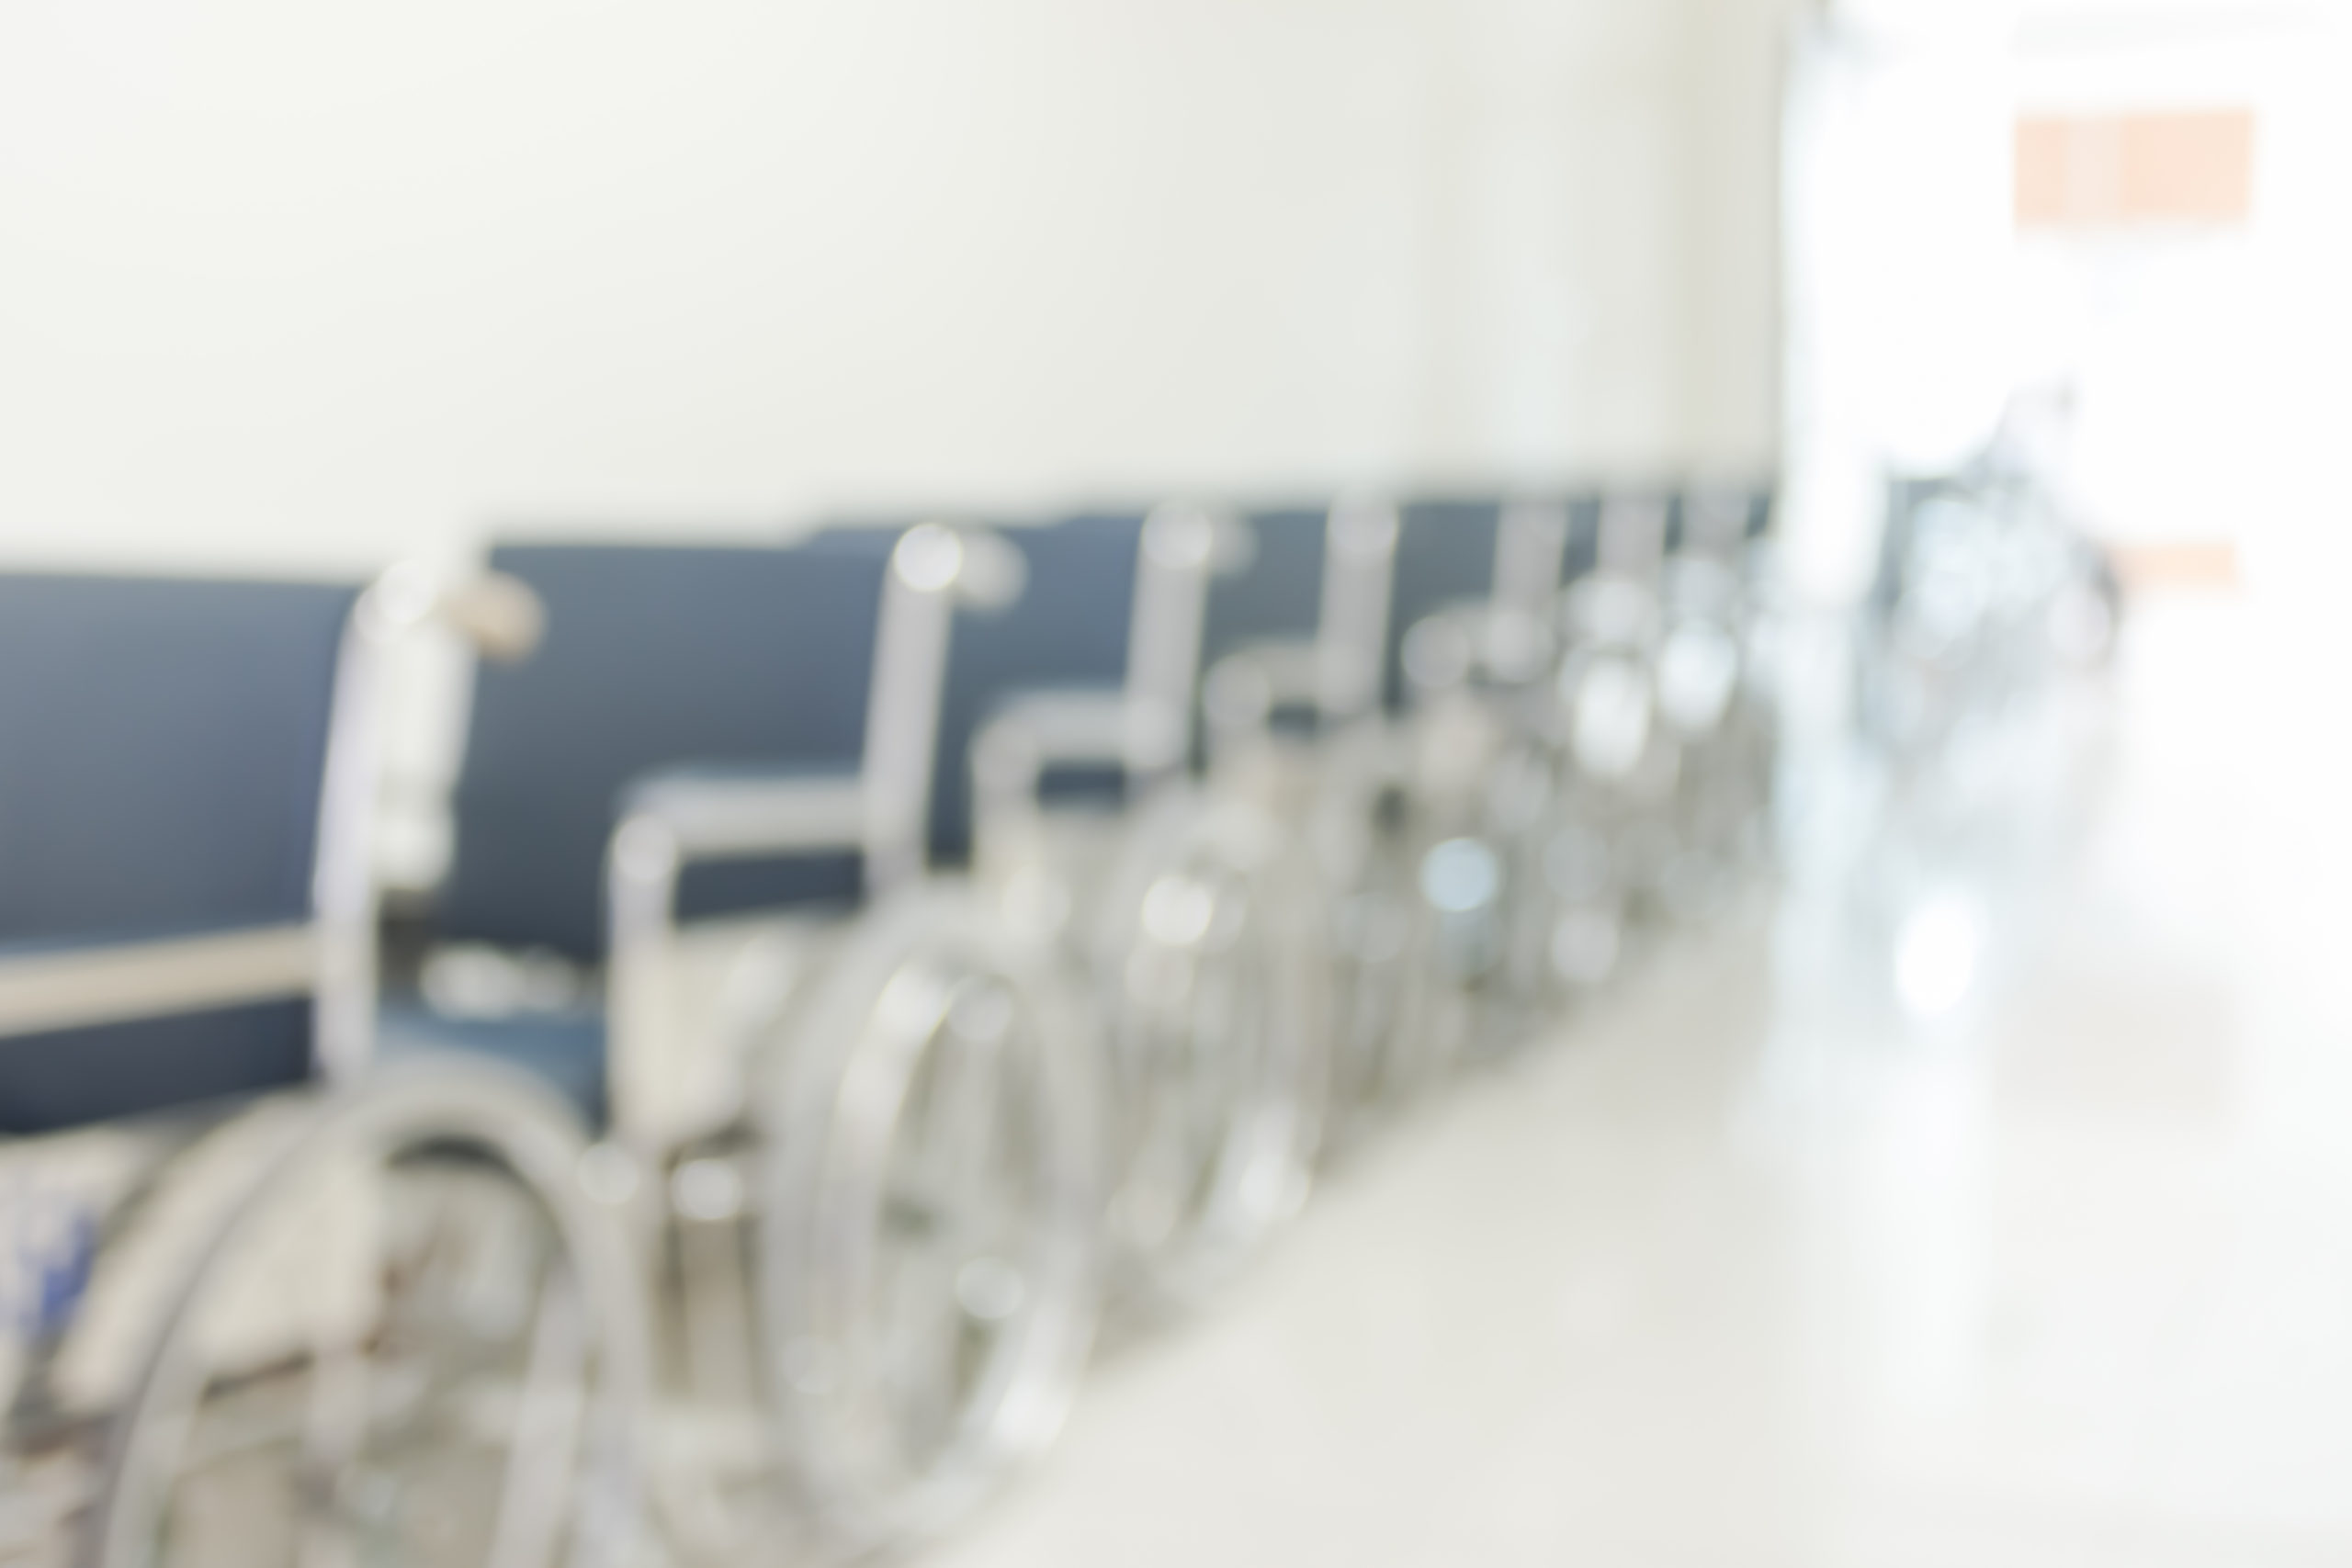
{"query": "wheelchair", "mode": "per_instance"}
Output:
(1413, 679)
(1716, 696)
(1659, 723)
(852, 1125)
(259, 1301)
(1467, 644)
(1990, 619)
(1185, 922)
(1290, 719)
(1984, 595)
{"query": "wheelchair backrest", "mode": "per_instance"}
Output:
(1445, 554)
(1749, 512)
(1637, 527)
(1583, 557)
(1716, 520)
(1073, 627)
(168, 833)
(654, 658)
(1278, 596)
(1530, 555)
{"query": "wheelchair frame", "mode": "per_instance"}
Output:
(1196, 925)
(776, 1154)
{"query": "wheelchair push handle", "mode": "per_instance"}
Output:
(499, 617)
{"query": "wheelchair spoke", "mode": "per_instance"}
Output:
(922, 1330)
(334, 1429)
(545, 1436)
(436, 1412)
(947, 1276)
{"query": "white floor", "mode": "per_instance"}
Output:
(1753, 1266)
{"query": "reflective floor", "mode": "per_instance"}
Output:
(1983, 1197)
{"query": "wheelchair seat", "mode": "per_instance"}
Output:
(564, 1049)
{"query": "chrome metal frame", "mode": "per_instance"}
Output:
(1713, 696)
(1359, 564)
(1208, 956)
(915, 1188)
(1173, 840)
(1530, 544)
(1656, 719)
(1470, 781)
(1330, 793)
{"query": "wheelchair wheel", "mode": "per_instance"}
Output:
(928, 1258)
(1373, 925)
(1212, 982)
(413, 1339)
(1577, 885)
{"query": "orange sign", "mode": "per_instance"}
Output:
(2124, 170)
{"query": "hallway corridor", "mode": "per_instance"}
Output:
(1984, 1196)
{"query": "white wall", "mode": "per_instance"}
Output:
(2205, 362)
(1898, 222)
(295, 286)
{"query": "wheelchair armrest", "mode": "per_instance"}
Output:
(1477, 643)
(669, 820)
(676, 817)
(1247, 690)
(49, 986)
(1040, 730)
(727, 814)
